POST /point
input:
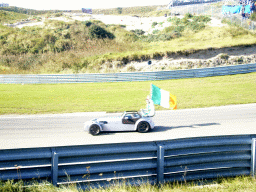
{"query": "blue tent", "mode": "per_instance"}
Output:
(231, 9)
(247, 9)
(235, 9)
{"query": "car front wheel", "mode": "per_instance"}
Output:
(94, 129)
(143, 127)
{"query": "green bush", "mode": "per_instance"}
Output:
(58, 14)
(185, 21)
(125, 36)
(154, 24)
(253, 16)
(174, 20)
(179, 25)
(28, 63)
(62, 45)
(88, 23)
(188, 15)
(49, 38)
(201, 18)
(156, 31)
(98, 32)
(179, 28)
(195, 26)
(224, 56)
(237, 31)
(138, 31)
(168, 29)
(119, 10)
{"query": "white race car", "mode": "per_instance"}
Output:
(128, 121)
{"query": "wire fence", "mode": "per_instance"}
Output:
(237, 19)
(210, 9)
(215, 10)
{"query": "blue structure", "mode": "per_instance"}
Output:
(4, 5)
(229, 9)
(87, 10)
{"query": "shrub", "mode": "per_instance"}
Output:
(174, 20)
(138, 31)
(29, 62)
(237, 31)
(131, 68)
(239, 59)
(62, 45)
(125, 36)
(154, 24)
(168, 29)
(202, 18)
(156, 31)
(58, 14)
(88, 23)
(227, 21)
(253, 16)
(184, 21)
(98, 32)
(224, 56)
(164, 37)
(175, 34)
(195, 26)
(179, 28)
(50, 38)
(119, 10)
(188, 15)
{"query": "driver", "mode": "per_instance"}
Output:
(150, 108)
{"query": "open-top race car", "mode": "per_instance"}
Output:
(128, 121)
(132, 120)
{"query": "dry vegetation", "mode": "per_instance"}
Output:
(92, 46)
(241, 183)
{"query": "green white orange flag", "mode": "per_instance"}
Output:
(163, 98)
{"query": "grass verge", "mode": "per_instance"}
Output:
(241, 183)
(118, 97)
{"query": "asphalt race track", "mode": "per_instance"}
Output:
(29, 131)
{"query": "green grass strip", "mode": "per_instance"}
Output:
(118, 97)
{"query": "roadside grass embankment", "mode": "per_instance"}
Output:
(239, 184)
(92, 46)
(123, 96)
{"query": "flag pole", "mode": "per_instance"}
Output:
(151, 91)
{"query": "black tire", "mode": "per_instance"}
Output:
(94, 129)
(143, 127)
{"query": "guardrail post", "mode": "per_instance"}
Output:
(160, 164)
(54, 169)
(253, 153)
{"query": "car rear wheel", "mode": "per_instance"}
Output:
(94, 129)
(143, 127)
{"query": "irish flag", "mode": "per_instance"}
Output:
(163, 98)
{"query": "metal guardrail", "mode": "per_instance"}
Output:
(119, 77)
(136, 163)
